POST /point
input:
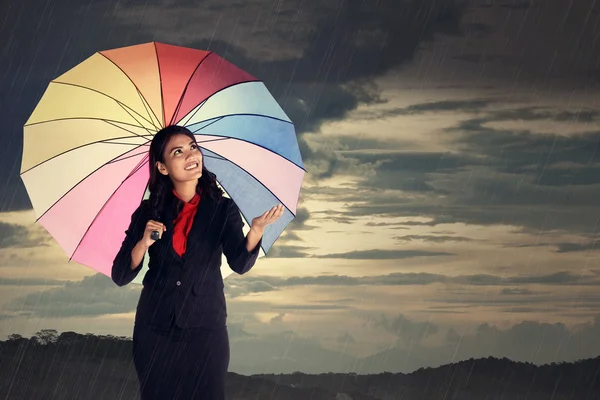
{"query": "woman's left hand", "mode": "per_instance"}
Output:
(268, 217)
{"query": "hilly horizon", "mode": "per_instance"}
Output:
(72, 365)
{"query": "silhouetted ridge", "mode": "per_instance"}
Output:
(72, 365)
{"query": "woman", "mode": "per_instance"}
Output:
(180, 339)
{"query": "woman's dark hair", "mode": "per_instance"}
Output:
(160, 186)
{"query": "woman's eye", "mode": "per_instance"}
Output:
(194, 147)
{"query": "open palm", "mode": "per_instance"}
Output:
(268, 217)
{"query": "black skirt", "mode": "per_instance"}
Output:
(185, 364)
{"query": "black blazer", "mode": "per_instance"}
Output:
(189, 288)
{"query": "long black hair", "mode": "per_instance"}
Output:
(159, 185)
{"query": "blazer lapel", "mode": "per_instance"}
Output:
(201, 224)
(168, 219)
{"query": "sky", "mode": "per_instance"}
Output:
(450, 204)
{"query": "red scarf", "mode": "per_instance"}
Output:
(183, 223)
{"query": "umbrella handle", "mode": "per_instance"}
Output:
(154, 235)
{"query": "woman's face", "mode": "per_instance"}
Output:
(183, 159)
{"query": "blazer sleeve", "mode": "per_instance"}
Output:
(121, 272)
(240, 260)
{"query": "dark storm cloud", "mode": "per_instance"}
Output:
(528, 341)
(346, 44)
(278, 319)
(490, 175)
(288, 237)
(477, 29)
(517, 5)
(538, 113)
(496, 59)
(407, 171)
(516, 291)
(346, 337)
(411, 163)
(311, 307)
(30, 282)
(514, 282)
(539, 155)
(529, 218)
(386, 224)
(530, 310)
(468, 105)
(532, 42)
(574, 247)
(94, 295)
(475, 105)
(433, 239)
(240, 287)
(13, 235)
(407, 330)
(288, 251)
(551, 342)
(377, 254)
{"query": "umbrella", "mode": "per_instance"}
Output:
(85, 149)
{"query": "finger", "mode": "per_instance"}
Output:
(154, 227)
(280, 210)
(151, 225)
(156, 224)
(157, 228)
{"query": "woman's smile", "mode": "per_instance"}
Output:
(192, 165)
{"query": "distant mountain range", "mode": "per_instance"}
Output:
(89, 367)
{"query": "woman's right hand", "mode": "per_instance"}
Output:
(152, 225)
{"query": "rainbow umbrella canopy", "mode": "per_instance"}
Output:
(85, 150)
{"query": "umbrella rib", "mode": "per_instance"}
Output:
(256, 179)
(215, 158)
(127, 130)
(244, 115)
(180, 101)
(253, 144)
(133, 83)
(127, 158)
(216, 119)
(213, 140)
(209, 97)
(162, 99)
(136, 169)
(110, 97)
(90, 118)
(124, 143)
(77, 184)
(147, 110)
(79, 147)
(143, 127)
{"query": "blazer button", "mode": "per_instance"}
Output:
(178, 283)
